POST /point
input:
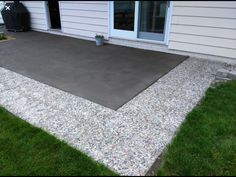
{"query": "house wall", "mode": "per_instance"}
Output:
(197, 28)
(207, 27)
(38, 14)
(84, 18)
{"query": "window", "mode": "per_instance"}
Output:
(124, 15)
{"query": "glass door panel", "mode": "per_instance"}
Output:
(124, 15)
(152, 19)
(124, 22)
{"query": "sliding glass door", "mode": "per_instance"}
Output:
(152, 18)
(139, 19)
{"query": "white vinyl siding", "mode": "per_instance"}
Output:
(200, 27)
(38, 15)
(84, 18)
(207, 27)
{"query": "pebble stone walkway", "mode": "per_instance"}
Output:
(127, 140)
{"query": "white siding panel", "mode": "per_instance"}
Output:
(204, 40)
(32, 4)
(83, 7)
(79, 32)
(82, 26)
(205, 21)
(88, 14)
(36, 10)
(203, 49)
(37, 14)
(37, 26)
(84, 18)
(38, 21)
(205, 12)
(204, 27)
(204, 31)
(220, 4)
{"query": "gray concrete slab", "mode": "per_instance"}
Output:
(110, 75)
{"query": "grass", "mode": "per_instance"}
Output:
(206, 141)
(27, 150)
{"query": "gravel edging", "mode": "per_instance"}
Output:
(128, 140)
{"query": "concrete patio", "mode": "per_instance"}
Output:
(109, 75)
(128, 139)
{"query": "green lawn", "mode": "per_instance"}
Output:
(206, 142)
(26, 150)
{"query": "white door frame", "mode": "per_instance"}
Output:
(48, 21)
(123, 33)
(133, 35)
